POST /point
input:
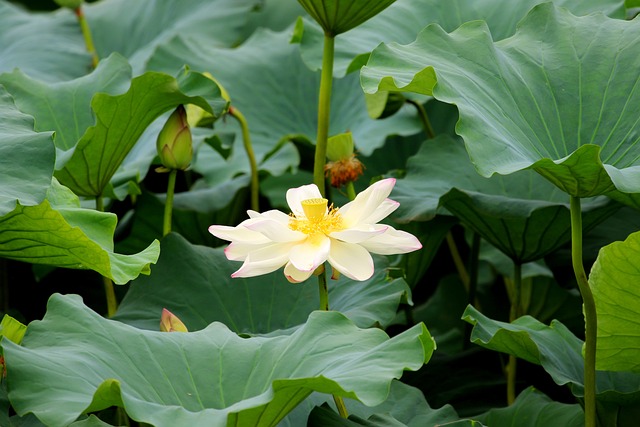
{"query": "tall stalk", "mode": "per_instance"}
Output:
(168, 206)
(324, 110)
(320, 159)
(109, 291)
(246, 140)
(86, 34)
(591, 320)
(514, 313)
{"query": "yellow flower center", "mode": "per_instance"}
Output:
(317, 218)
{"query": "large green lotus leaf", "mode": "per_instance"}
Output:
(555, 97)
(136, 29)
(65, 107)
(27, 158)
(284, 103)
(522, 214)
(46, 46)
(121, 119)
(556, 349)
(59, 232)
(614, 280)
(534, 409)
(405, 18)
(75, 361)
(194, 282)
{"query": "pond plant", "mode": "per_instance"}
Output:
(460, 178)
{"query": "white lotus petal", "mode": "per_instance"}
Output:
(384, 210)
(351, 260)
(276, 231)
(264, 260)
(296, 195)
(359, 234)
(310, 254)
(392, 242)
(294, 275)
(238, 234)
(367, 202)
(238, 251)
(277, 215)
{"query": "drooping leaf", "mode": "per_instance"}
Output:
(121, 119)
(46, 46)
(558, 351)
(615, 283)
(26, 158)
(554, 97)
(405, 18)
(283, 104)
(74, 361)
(256, 305)
(65, 107)
(521, 214)
(59, 232)
(336, 16)
(136, 30)
(534, 409)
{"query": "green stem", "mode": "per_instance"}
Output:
(324, 292)
(324, 107)
(472, 282)
(246, 139)
(351, 191)
(591, 320)
(109, 291)
(457, 261)
(342, 409)
(514, 313)
(168, 205)
(86, 33)
(424, 118)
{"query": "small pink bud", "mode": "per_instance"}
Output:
(169, 322)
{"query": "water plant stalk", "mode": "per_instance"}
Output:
(168, 206)
(324, 111)
(109, 291)
(514, 313)
(471, 283)
(351, 191)
(591, 320)
(248, 147)
(424, 118)
(86, 34)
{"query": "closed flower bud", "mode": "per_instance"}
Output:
(169, 322)
(174, 142)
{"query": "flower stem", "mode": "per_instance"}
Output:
(324, 292)
(457, 261)
(591, 320)
(168, 205)
(471, 283)
(424, 118)
(514, 313)
(324, 107)
(109, 291)
(86, 33)
(246, 139)
(351, 191)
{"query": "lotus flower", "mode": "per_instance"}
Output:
(314, 233)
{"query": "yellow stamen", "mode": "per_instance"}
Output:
(317, 218)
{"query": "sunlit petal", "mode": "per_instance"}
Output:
(238, 251)
(359, 234)
(310, 254)
(383, 211)
(351, 260)
(367, 202)
(295, 196)
(294, 275)
(392, 242)
(276, 231)
(239, 233)
(264, 260)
